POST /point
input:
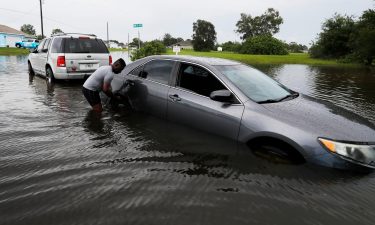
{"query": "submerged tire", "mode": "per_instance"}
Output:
(50, 79)
(30, 69)
(276, 151)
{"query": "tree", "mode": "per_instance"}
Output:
(168, 40)
(266, 24)
(264, 45)
(296, 48)
(28, 29)
(230, 46)
(204, 36)
(363, 39)
(155, 47)
(334, 40)
(135, 42)
(40, 37)
(56, 31)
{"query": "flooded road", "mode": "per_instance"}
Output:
(61, 165)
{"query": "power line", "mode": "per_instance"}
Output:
(35, 15)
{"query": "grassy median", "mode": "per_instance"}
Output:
(14, 51)
(292, 58)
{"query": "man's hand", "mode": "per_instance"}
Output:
(107, 89)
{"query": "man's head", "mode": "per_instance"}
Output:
(118, 66)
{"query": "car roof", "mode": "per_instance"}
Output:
(74, 35)
(197, 59)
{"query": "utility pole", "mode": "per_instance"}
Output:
(139, 40)
(128, 47)
(107, 36)
(41, 17)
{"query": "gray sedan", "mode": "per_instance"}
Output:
(236, 101)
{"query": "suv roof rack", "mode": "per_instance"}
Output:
(61, 34)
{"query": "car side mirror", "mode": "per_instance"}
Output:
(143, 74)
(222, 96)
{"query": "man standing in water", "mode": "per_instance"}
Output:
(100, 80)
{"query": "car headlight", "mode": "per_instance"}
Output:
(363, 153)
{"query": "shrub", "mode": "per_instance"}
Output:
(155, 47)
(264, 45)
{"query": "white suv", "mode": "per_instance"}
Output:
(68, 56)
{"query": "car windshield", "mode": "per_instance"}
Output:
(255, 84)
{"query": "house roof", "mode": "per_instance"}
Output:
(9, 30)
(184, 43)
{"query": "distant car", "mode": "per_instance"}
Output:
(239, 102)
(68, 56)
(27, 43)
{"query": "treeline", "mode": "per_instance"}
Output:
(256, 34)
(347, 39)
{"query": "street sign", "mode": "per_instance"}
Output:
(137, 25)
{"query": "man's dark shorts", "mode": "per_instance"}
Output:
(92, 97)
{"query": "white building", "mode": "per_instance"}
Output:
(9, 36)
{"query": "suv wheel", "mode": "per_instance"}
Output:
(50, 79)
(30, 68)
(18, 45)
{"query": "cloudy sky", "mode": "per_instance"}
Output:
(302, 18)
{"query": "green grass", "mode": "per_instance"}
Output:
(14, 51)
(293, 58)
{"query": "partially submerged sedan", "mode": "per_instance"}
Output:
(239, 102)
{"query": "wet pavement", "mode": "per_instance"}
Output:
(60, 164)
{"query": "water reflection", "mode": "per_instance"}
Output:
(60, 162)
(350, 88)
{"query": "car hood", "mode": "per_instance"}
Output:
(323, 119)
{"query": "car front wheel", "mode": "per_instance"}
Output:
(18, 45)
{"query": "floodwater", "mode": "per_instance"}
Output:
(61, 165)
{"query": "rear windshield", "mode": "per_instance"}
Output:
(79, 45)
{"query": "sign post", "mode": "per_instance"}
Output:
(176, 49)
(138, 25)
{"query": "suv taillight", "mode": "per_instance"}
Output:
(61, 61)
(110, 60)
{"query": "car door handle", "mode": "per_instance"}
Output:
(175, 98)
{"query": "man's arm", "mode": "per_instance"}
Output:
(107, 89)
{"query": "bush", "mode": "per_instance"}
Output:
(149, 48)
(264, 45)
(231, 46)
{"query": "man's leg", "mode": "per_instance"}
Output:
(97, 107)
(94, 99)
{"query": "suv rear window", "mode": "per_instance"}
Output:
(80, 45)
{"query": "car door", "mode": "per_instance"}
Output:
(189, 102)
(150, 85)
(35, 58)
(42, 56)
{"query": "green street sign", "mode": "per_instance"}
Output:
(136, 25)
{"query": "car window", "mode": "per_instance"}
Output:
(158, 70)
(46, 44)
(198, 80)
(137, 71)
(37, 41)
(40, 47)
(84, 45)
(57, 46)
